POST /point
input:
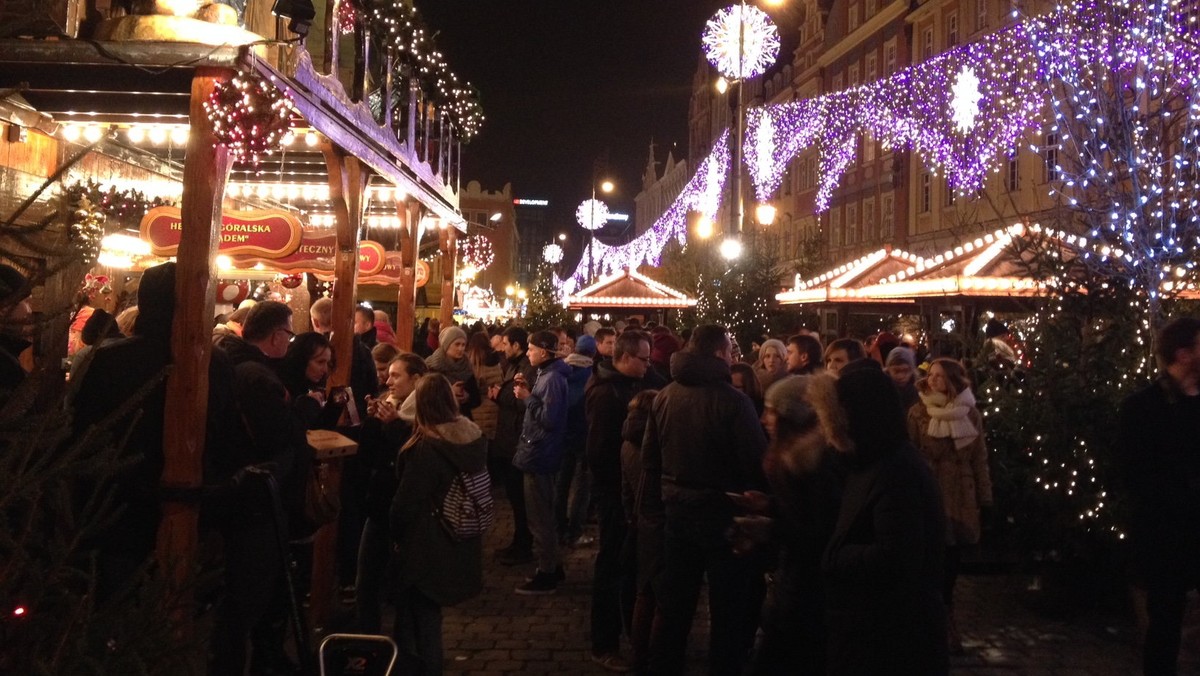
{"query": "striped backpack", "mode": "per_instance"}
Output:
(467, 509)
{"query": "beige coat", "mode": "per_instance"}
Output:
(485, 414)
(962, 474)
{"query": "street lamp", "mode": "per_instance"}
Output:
(592, 214)
(741, 41)
(765, 213)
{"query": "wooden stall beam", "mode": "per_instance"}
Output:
(204, 175)
(448, 244)
(409, 212)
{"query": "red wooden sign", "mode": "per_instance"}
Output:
(266, 233)
(315, 254)
(390, 273)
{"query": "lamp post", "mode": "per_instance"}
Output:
(741, 41)
(592, 214)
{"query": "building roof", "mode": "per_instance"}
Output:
(629, 289)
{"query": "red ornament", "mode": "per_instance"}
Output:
(291, 281)
(232, 292)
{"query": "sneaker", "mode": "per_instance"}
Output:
(515, 556)
(612, 662)
(560, 575)
(542, 584)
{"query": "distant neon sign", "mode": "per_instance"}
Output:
(531, 203)
(618, 217)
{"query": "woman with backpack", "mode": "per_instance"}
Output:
(434, 568)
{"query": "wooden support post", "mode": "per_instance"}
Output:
(448, 243)
(409, 212)
(204, 175)
(332, 33)
(347, 185)
(362, 59)
(414, 92)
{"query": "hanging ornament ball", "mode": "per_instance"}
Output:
(741, 41)
(553, 254)
(592, 214)
(232, 292)
(291, 281)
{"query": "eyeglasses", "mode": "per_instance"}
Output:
(291, 333)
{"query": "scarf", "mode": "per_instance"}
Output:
(949, 419)
(455, 370)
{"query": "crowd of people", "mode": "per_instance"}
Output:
(823, 494)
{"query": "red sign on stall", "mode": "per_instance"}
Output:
(315, 254)
(391, 270)
(268, 233)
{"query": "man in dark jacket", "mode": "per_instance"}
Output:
(706, 437)
(608, 395)
(255, 600)
(1159, 444)
(539, 455)
(509, 416)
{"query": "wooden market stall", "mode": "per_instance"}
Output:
(244, 121)
(625, 293)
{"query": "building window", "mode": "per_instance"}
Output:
(787, 181)
(888, 218)
(889, 58)
(870, 232)
(949, 194)
(868, 151)
(1012, 176)
(853, 75)
(870, 8)
(872, 67)
(952, 30)
(981, 14)
(927, 44)
(852, 224)
(835, 226)
(926, 192)
(838, 82)
(853, 16)
(1050, 155)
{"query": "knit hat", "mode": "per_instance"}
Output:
(545, 340)
(156, 302)
(786, 397)
(13, 285)
(591, 327)
(448, 335)
(901, 355)
(994, 328)
(586, 345)
(663, 345)
(873, 414)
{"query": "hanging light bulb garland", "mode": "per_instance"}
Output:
(249, 115)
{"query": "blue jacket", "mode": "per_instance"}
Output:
(544, 430)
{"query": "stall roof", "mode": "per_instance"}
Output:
(629, 289)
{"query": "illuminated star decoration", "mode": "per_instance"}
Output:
(965, 102)
(741, 42)
(552, 254)
(592, 214)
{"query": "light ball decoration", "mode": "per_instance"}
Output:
(741, 41)
(250, 116)
(592, 214)
(552, 254)
(476, 252)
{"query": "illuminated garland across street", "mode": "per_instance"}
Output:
(964, 111)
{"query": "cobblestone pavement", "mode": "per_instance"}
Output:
(503, 633)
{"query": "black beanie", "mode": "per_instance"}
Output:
(156, 302)
(545, 340)
(874, 415)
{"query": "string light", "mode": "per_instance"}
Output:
(249, 115)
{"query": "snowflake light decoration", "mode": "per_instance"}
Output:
(592, 214)
(552, 254)
(741, 42)
(476, 252)
(964, 104)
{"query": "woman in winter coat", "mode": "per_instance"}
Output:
(805, 475)
(433, 569)
(948, 431)
(883, 565)
(304, 370)
(485, 363)
(450, 360)
(771, 364)
(743, 378)
(643, 546)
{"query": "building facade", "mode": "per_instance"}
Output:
(491, 214)
(659, 191)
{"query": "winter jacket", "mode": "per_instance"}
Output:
(961, 473)
(706, 438)
(607, 399)
(511, 411)
(1159, 452)
(486, 415)
(446, 571)
(641, 496)
(577, 380)
(378, 451)
(544, 430)
(883, 570)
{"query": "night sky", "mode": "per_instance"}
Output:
(565, 83)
